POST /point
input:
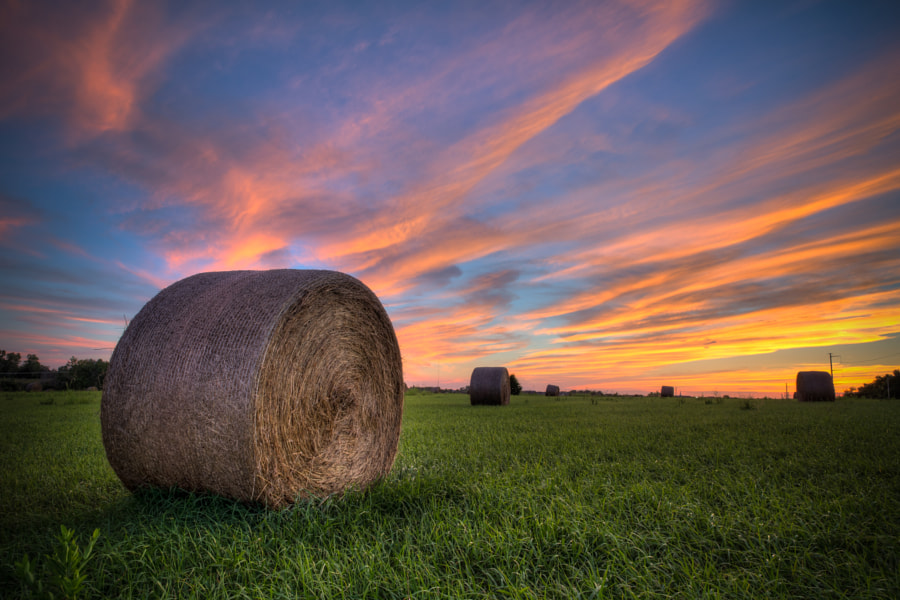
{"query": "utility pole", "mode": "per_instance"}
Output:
(831, 358)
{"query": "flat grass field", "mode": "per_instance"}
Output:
(578, 497)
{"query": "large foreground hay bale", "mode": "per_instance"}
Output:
(552, 390)
(666, 391)
(257, 385)
(489, 385)
(815, 386)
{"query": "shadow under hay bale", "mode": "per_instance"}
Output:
(667, 391)
(489, 385)
(263, 386)
(552, 390)
(814, 386)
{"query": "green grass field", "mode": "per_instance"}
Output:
(576, 497)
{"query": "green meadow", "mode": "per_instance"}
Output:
(577, 497)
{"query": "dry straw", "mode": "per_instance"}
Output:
(667, 391)
(815, 386)
(264, 386)
(489, 385)
(552, 390)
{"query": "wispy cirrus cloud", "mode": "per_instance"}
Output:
(90, 63)
(271, 194)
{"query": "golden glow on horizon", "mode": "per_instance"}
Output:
(628, 352)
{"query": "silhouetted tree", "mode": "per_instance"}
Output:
(9, 362)
(32, 365)
(515, 388)
(884, 386)
(84, 373)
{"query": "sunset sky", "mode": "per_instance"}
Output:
(608, 195)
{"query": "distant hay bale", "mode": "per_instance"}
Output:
(552, 390)
(667, 391)
(92, 388)
(263, 386)
(34, 386)
(489, 385)
(815, 386)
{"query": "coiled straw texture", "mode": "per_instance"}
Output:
(263, 386)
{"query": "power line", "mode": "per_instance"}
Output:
(859, 362)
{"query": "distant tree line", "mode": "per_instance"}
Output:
(884, 386)
(76, 374)
(11, 364)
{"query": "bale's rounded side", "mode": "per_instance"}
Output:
(262, 386)
(815, 386)
(667, 391)
(552, 390)
(489, 385)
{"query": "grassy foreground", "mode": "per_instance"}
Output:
(577, 497)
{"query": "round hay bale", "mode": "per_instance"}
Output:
(815, 386)
(489, 385)
(552, 390)
(667, 391)
(34, 386)
(263, 386)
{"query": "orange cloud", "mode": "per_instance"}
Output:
(245, 252)
(93, 63)
(261, 191)
(144, 275)
(675, 313)
(621, 352)
(436, 203)
(30, 308)
(7, 224)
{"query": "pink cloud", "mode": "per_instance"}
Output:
(94, 62)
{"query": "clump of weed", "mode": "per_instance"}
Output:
(64, 568)
(79, 398)
(747, 404)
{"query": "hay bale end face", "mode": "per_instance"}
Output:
(667, 391)
(814, 386)
(552, 390)
(489, 385)
(263, 386)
